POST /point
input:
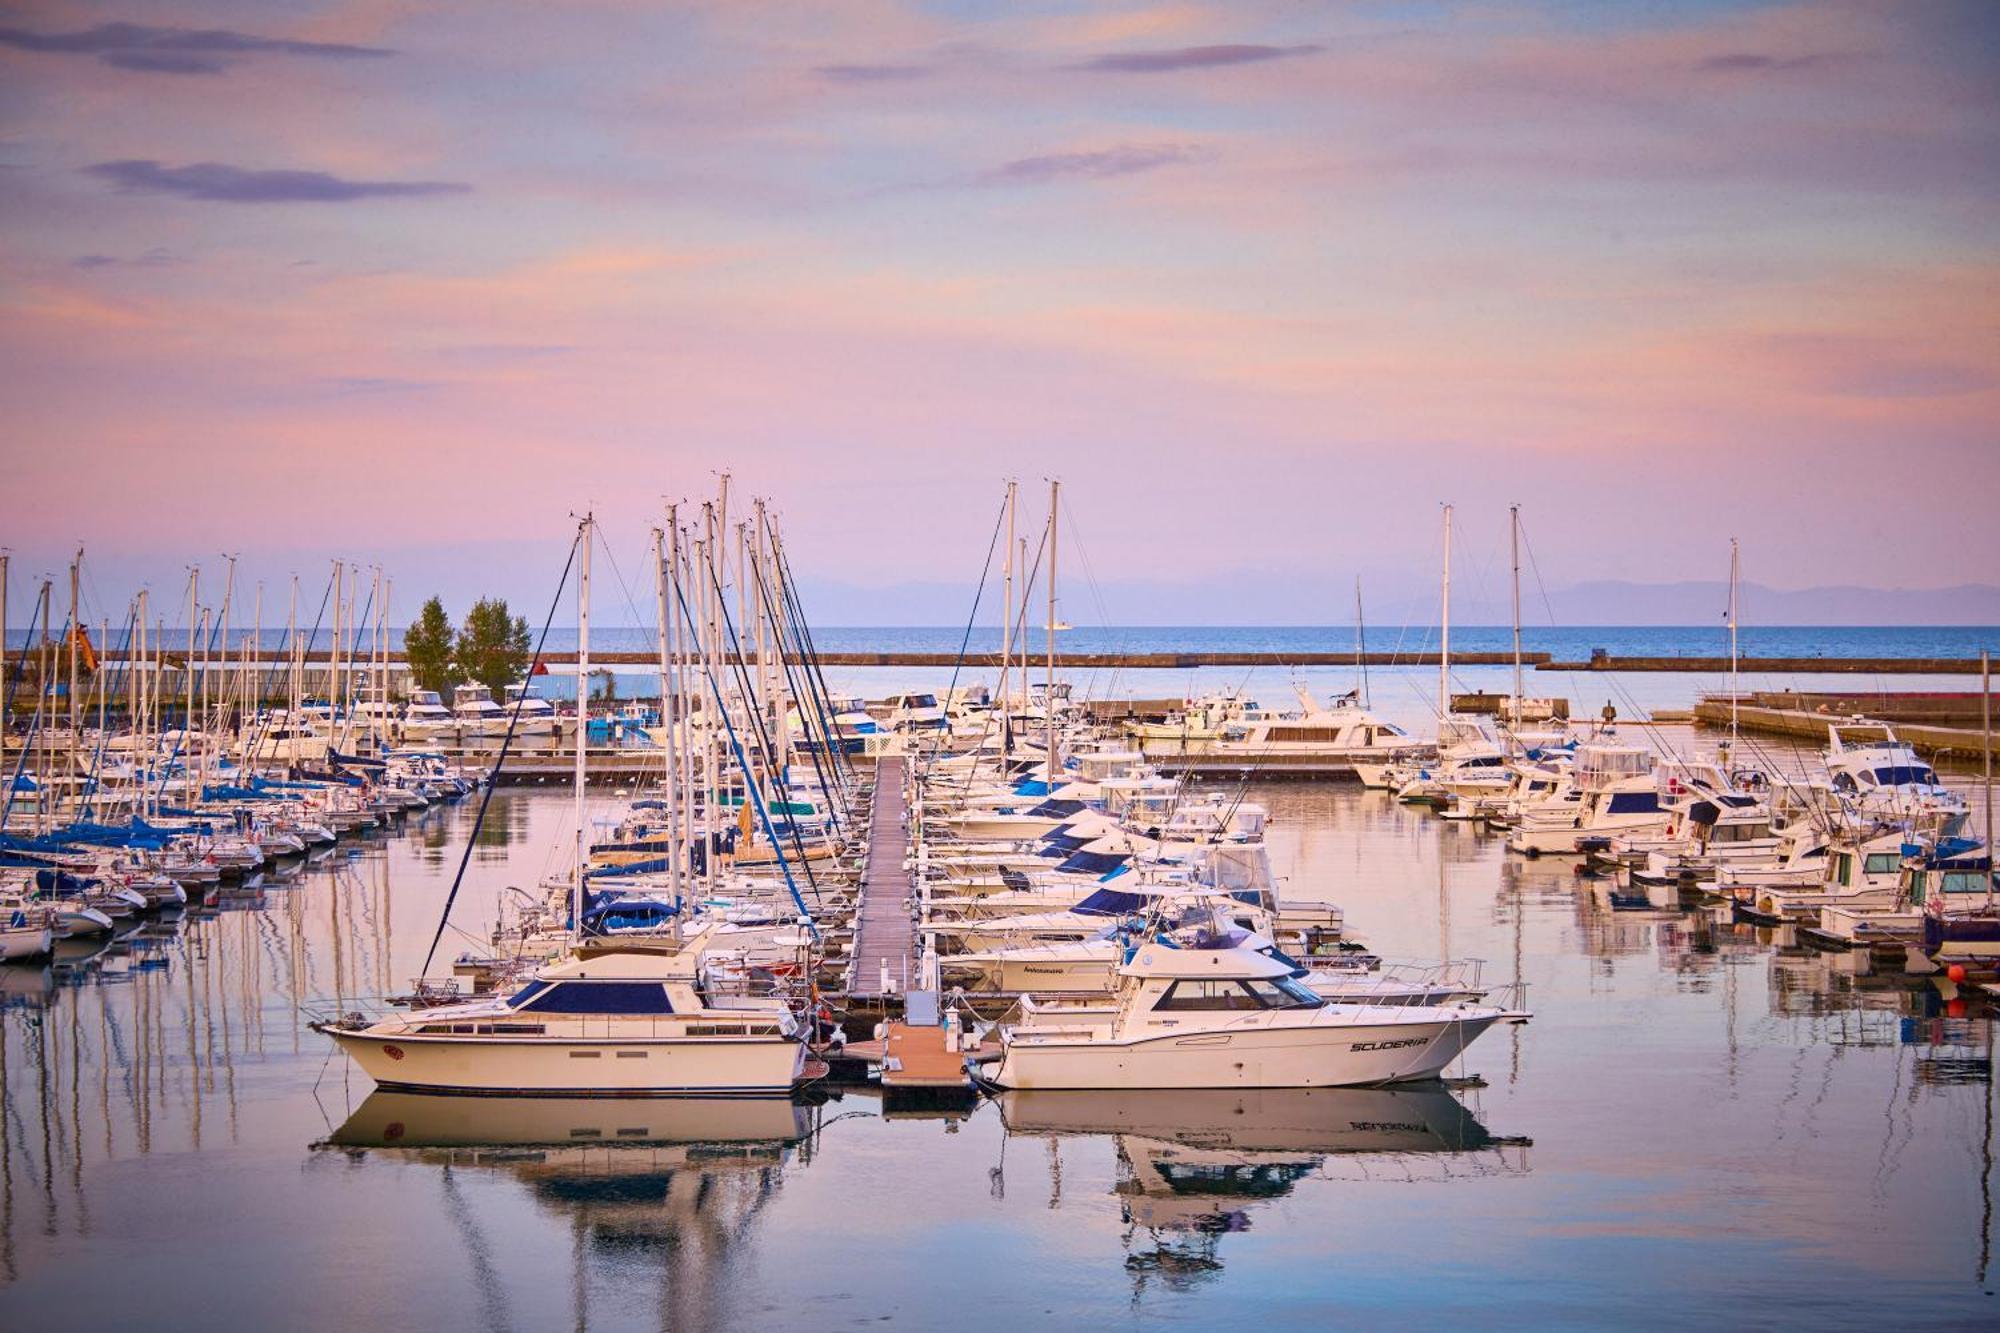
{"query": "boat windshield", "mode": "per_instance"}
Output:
(1237, 995)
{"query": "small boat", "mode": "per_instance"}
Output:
(26, 935)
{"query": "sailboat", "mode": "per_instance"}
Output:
(616, 1018)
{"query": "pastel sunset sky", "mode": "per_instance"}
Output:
(1262, 282)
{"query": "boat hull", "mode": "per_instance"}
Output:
(579, 1067)
(1319, 1055)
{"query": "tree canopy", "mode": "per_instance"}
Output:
(427, 647)
(493, 646)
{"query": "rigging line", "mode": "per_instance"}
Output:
(506, 743)
(1097, 597)
(754, 706)
(965, 639)
(7, 707)
(791, 684)
(752, 793)
(815, 674)
(828, 760)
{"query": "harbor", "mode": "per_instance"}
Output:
(1210, 961)
(1084, 665)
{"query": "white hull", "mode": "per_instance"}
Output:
(1002, 828)
(20, 943)
(1334, 1050)
(629, 1067)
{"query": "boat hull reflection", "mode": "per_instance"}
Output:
(429, 1120)
(1282, 1120)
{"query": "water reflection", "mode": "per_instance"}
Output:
(1191, 1165)
(666, 1188)
(1673, 1045)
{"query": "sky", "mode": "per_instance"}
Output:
(1262, 283)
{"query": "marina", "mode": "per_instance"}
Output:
(1224, 959)
(1100, 664)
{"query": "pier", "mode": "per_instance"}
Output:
(1960, 745)
(883, 931)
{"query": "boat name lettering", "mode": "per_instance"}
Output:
(1388, 1045)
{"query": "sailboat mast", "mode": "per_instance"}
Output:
(1361, 647)
(1444, 632)
(1007, 629)
(1734, 567)
(187, 717)
(582, 720)
(1514, 529)
(661, 577)
(1049, 700)
(75, 644)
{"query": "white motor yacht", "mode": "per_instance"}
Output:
(1227, 1016)
(475, 713)
(425, 717)
(537, 715)
(606, 1021)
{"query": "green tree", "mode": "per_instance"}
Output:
(493, 646)
(427, 647)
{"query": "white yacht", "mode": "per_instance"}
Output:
(537, 715)
(1617, 792)
(912, 711)
(617, 1021)
(1884, 779)
(1340, 732)
(425, 717)
(473, 709)
(1226, 1017)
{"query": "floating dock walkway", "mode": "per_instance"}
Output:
(884, 934)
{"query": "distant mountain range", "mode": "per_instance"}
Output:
(1252, 600)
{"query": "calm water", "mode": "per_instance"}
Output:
(1406, 695)
(1702, 1123)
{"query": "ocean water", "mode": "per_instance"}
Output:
(1563, 643)
(1406, 695)
(1704, 1124)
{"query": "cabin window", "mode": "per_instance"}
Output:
(600, 997)
(1236, 996)
(1303, 735)
(1882, 863)
(1634, 803)
(1963, 881)
(1902, 775)
(1843, 869)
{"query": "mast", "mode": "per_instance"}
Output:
(222, 657)
(1007, 631)
(1514, 529)
(1049, 699)
(253, 676)
(683, 714)
(1444, 633)
(582, 722)
(1734, 566)
(668, 639)
(1361, 646)
(295, 673)
(75, 644)
(187, 717)
(1986, 730)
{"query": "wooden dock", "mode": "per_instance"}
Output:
(884, 934)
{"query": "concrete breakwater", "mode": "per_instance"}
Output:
(1540, 661)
